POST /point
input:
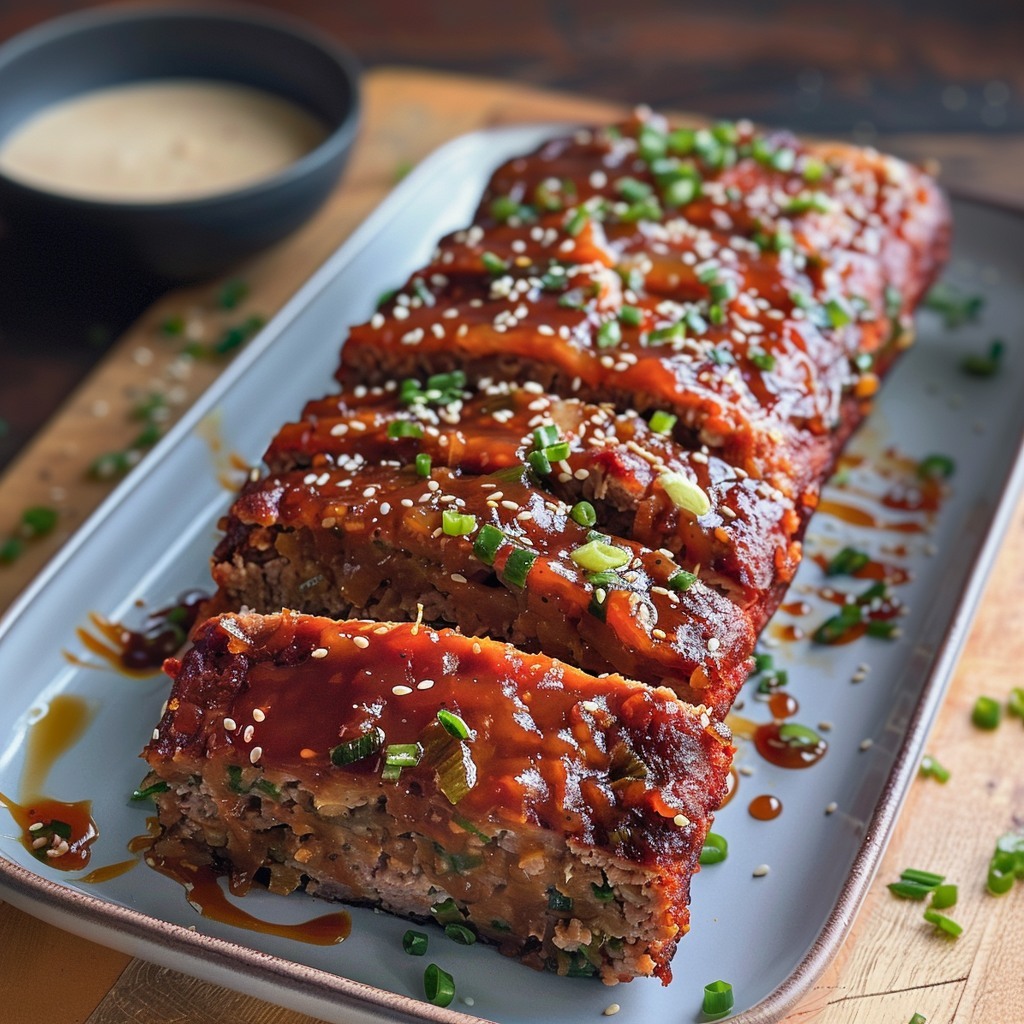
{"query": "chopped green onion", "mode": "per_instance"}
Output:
(783, 160)
(577, 221)
(361, 747)
(38, 520)
(391, 772)
(651, 143)
(762, 360)
(674, 332)
(460, 933)
(456, 774)
(772, 681)
(603, 893)
(798, 736)
(232, 293)
(984, 365)
(446, 912)
(487, 542)
(174, 325)
(715, 849)
(1015, 702)
(493, 264)
(838, 315)
(404, 428)
(931, 769)
(944, 896)
(685, 494)
(557, 452)
(718, 998)
(546, 435)
(558, 901)
(681, 191)
(645, 209)
(681, 141)
(953, 305)
(943, 923)
(414, 943)
(583, 513)
(631, 316)
(598, 555)
(986, 713)
(454, 724)
(910, 890)
(834, 629)
(919, 1018)
(847, 562)
(609, 334)
(936, 467)
(893, 301)
(423, 463)
(403, 755)
(11, 549)
(457, 524)
(539, 463)
(813, 169)
(662, 422)
(806, 202)
(148, 791)
(438, 985)
(681, 581)
(518, 566)
(632, 189)
(763, 662)
(928, 878)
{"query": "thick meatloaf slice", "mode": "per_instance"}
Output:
(556, 815)
(754, 286)
(745, 542)
(496, 555)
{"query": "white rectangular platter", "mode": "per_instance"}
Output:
(770, 934)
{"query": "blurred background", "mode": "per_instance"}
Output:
(943, 78)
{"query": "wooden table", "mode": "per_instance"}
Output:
(887, 970)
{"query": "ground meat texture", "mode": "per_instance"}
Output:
(564, 827)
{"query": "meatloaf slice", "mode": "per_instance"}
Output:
(496, 555)
(745, 543)
(556, 815)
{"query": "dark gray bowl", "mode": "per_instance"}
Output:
(111, 46)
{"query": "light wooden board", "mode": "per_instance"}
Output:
(891, 966)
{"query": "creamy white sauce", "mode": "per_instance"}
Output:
(159, 141)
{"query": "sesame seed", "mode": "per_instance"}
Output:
(476, 648)
(658, 634)
(610, 1010)
(401, 690)
(831, 808)
(867, 744)
(255, 754)
(361, 642)
(457, 577)
(248, 734)
(745, 770)
(38, 844)
(681, 820)
(259, 715)
(510, 505)
(230, 725)
(424, 684)
(589, 705)
(156, 734)
(825, 726)
(713, 644)
(35, 826)
(320, 652)
(761, 870)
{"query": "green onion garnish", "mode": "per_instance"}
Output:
(558, 901)
(813, 169)
(953, 305)
(423, 463)
(493, 264)
(783, 160)
(577, 221)
(232, 293)
(1006, 864)
(631, 316)
(847, 562)
(936, 467)
(539, 463)
(487, 542)
(943, 923)
(546, 435)
(681, 581)
(454, 724)
(457, 524)
(557, 452)
(583, 513)
(645, 209)
(1015, 702)
(928, 878)
(11, 549)
(603, 893)
(944, 896)
(361, 747)
(986, 713)
(651, 143)
(910, 890)
(460, 933)
(632, 189)
(984, 365)
(919, 1018)
(404, 428)
(599, 555)
(715, 849)
(148, 791)
(609, 334)
(685, 494)
(662, 422)
(414, 943)
(931, 769)
(518, 566)
(674, 332)
(838, 315)
(403, 755)
(762, 360)
(446, 912)
(681, 191)
(38, 520)
(806, 202)
(718, 998)
(438, 985)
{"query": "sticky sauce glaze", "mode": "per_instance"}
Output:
(160, 141)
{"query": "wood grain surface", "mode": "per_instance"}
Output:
(890, 967)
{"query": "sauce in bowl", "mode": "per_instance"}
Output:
(159, 141)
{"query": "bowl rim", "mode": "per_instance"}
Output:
(338, 139)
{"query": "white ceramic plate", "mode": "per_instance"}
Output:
(769, 936)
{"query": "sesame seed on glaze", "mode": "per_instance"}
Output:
(319, 652)
(259, 715)
(361, 642)
(255, 754)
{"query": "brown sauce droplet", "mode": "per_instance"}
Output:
(782, 704)
(787, 632)
(894, 574)
(140, 652)
(765, 807)
(860, 517)
(796, 607)
(58, 728)
(108, 871)
(205, 894)
(788, 746)
(57, 833)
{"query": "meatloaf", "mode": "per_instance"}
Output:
(595, 426)
(556, 815)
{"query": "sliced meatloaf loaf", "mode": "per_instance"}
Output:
(556, 815)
